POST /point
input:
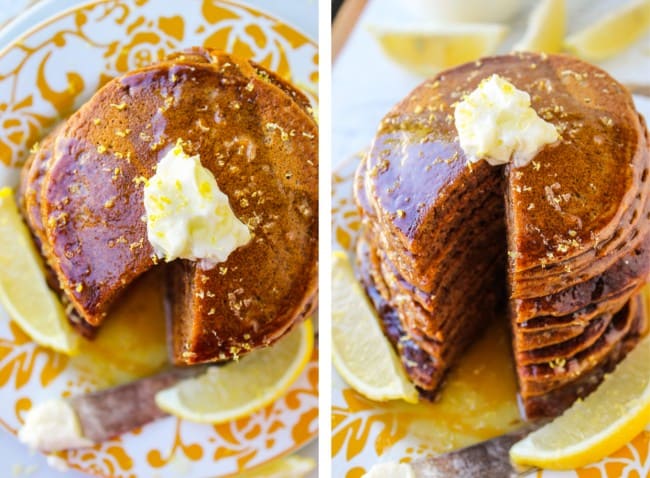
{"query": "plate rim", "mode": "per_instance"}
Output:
(40, 10)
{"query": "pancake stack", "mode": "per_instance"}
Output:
(569, 229)
(83, 199)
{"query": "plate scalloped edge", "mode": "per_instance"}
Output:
(47, 73)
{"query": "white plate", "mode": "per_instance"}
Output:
(45, 74)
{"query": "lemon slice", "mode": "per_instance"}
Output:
(600, 424)
(360, 352)
(546, 28)
(241, 388)
(23, 289)
(426, 49)
(613, 33)
(288, 467)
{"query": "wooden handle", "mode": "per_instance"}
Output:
(638, 89)
(344, 23)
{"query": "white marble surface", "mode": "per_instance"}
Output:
(15, 459)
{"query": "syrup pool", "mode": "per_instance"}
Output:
(478, 399)
(131, 343)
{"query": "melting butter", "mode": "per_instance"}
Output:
(390, 470)
(188, 216)
(53, 426)
(495, 122)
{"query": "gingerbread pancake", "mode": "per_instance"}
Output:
(572, 224)
(254, 132)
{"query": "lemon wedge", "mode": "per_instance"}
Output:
(288, 467)
(613, 33)
(360, 352)
(241, 388)
(600, 424)
(23, 288)
(546, 28)
(426, 49)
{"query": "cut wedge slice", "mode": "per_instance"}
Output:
(546, 28)
(23, 288)
(613, 33)
(360, 352)
(238, 389)
(426, 49)
(597, 426)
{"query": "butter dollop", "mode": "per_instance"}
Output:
(187, 215)
(53, 426)
(390, 470)
(495, 122)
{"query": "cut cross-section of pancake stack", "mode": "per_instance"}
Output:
(437, 283)
(83, 199)
(570, 228)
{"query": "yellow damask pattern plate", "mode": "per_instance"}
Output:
(44, 76)
(470, 410)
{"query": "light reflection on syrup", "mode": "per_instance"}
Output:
(478, 399)
(131, 343)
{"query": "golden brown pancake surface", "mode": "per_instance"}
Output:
(577, 231)
(261, 145)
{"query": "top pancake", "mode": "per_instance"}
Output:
(251, 130)
(598, 124)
